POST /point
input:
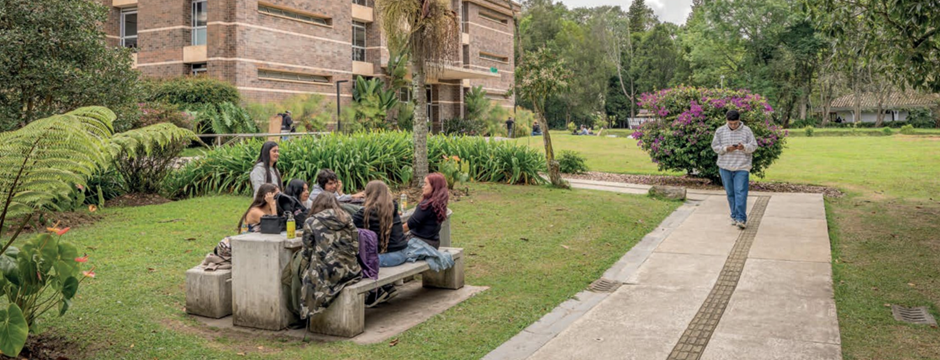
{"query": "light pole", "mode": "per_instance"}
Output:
(339, 122)
(722, 82)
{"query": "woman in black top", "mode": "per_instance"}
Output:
(425, 223)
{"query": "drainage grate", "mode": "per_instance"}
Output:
(916, 315)
(604, 285)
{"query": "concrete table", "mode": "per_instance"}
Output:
(257, 262)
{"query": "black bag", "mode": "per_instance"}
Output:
(271, 224)
(287, 203)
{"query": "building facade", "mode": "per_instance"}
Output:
(896, 106)
(273, 49)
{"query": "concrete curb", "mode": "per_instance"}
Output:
(532, 338)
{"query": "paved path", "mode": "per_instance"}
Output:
(699, 288)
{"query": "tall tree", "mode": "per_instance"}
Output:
(642, 17)
(429, 31)
(657, 58)
(543, 74)
(45, 70)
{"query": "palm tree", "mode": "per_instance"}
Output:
(428, 31)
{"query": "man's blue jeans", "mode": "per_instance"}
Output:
(736, 183)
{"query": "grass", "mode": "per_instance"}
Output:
(513, 236)
(894, 166)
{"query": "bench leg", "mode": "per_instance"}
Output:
(344, 317)
(448, 279)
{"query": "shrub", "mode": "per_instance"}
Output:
(454, 170)
(155, 112)
(571, 162)
(406, 116)
(463, 126)
(801, 124)
(921, 118)
(907, 129)
(310, 112)
(524, 120)
(222, 118)
(372, 102)
(681, 139)
(809, 130)
(357, 159)
(194, 90)
(887, 131)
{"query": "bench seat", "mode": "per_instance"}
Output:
(209, 293)
(346, 314)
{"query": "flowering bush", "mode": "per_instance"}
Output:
(454, 170)
(688, 117)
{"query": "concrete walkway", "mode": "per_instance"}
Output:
(699, 288)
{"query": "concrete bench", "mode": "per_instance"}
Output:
(209, 293)
(346, 314)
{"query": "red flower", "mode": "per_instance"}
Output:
(61, 232)
(82, 259)
(90, 274)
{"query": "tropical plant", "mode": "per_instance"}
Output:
(309, 111)
(373, 102)
(571, 162)
(542, 75)
(454, 170)
(427, 31)
(221, 118)
(680, 139)
(44, 71)
(478, 105)
(357, 159)
(144, 157)
(406, 115)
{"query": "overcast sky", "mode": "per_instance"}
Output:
(674, 11)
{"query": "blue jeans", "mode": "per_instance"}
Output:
(391, 259)
(736, 183)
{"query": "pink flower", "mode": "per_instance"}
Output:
(82, 259)
(90, 274)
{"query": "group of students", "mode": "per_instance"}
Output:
(333, 222)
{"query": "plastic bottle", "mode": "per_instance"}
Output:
(291, 226)
(403, 203)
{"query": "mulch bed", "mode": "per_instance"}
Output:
(44, 347)
(704, 184)
(64, 219)
(131, 200)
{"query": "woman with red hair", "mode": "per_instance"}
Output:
(425, 223)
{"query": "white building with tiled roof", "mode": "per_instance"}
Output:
(896, 106)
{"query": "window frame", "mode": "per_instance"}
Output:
(203, 70)
(356, 49)
(196, 28)
(124, 13)
(493, 18)
(494, 57)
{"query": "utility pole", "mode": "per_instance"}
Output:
(339, 123)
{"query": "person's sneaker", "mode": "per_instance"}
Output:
(742, 225)
(734, 222)
(376, 297)
(391, 290)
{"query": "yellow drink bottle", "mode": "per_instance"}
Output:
(291, 226)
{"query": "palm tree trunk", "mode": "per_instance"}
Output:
(420, 128)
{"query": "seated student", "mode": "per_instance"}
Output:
(425, 223)
(380, 215)
(331, 246)
(298, 189)
(328, 181)
(264, 204)
(536, 128)
(584, 130)
(292, 201)
(265, 169)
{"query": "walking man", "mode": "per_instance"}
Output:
(735, 144)
(509, 124)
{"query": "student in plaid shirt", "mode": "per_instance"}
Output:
(735, 144)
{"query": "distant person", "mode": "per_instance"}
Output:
(329, 182)
(300, 191)
(584, 130)
(735, 144)
(287, 124)
(509, 124)
(265, 169)
(839, 119)
(536, 128)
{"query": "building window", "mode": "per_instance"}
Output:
(404, 94)
(199, 69)
(277, 75)
(361, 2)
(359, 41)
(129, 28)
(200, 20)
(272, 10)
(493, 17)
(493, 57)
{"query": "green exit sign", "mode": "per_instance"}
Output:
(494, 70)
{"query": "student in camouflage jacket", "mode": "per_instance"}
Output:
(331, 245)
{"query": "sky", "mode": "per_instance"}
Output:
(674, 11)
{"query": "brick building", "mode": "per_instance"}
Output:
(272, 49)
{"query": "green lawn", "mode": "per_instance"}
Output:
(893, 166)
(134, 307)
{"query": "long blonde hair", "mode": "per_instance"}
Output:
(326, 201)
(379, 198)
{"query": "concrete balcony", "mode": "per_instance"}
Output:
(362, 13)
(465, 38)
(363, 68)
(195, 54)
(124, 3)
